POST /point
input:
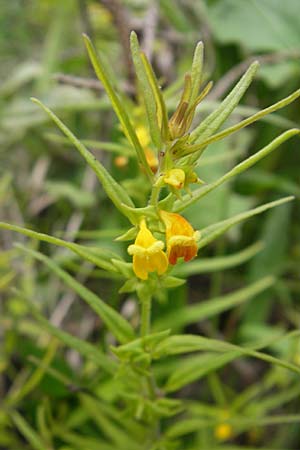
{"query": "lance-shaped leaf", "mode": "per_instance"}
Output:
(196, 72)
(162, 109)
(100, 257)
(197, 312)
(113, 189)
(187, 200)
(146, 91)
(117, 105)
(197, 367)
(218, 117)
(244, 123)
(212, 232)
(178, 344)
(120, 328)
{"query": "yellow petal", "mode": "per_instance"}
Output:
(139, 267)
(175, 178)
(158, 262)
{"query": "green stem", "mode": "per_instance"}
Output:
(154, 195)
(146, 315)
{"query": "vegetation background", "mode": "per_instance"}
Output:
(46, 186)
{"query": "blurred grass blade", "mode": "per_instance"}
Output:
(117, 105)
(207, 265)
(37, 375)
(82, 442)
(146, 91)
(187, 426)
(115, 433)
(101, 259)
(111, 147)
(248, 121)
(114, 191)
(206, 309)
(120, 328)
(28, 432)
(239, 168)
(212, 232)
(218, 117)
(83, 348)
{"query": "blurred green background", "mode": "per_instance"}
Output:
(46, 186)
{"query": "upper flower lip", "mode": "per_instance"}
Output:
(181, 237)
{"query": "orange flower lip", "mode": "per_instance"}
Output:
(181, 237)
(147, 252)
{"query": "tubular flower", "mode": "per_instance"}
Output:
(181, 237)
(148, 255)
(175, 178)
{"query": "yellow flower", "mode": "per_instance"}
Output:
(148, 255)
(175, 178)
(144, 138)
(121, 161)
(151, 159)
(181, 237)
(223, 432)
(143, 135)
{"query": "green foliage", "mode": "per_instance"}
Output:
(202, 354)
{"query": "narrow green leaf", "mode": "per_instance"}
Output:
(212, 232)
(28, 432)
(196, 72)
(113, 320)
(117, 105)
(197, 367)
(218, 117)
(83, 442)
(101, 259)
(114, 191)
(248, 121)
(162, 109)
(178, 344)
(207, 265)
(239, 168)
(146, 91)
(204, 310)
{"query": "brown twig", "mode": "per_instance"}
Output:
(87, 83)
